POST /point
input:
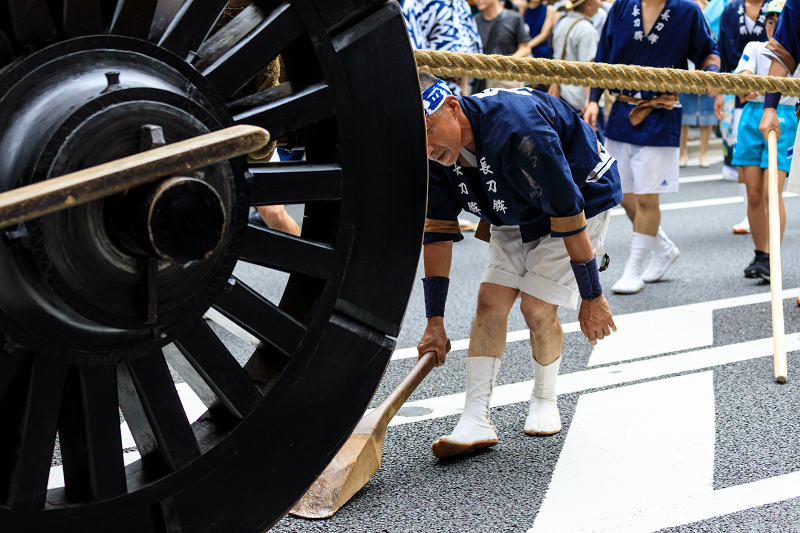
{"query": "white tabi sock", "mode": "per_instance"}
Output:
(543, 416)
(664, 254)
(631, 281)
(474, 430)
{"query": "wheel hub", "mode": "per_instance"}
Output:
(123, 275)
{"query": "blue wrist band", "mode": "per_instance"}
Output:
(712, 68)
(595, 93)
(771, 100)
(588, 278)
(435, 289)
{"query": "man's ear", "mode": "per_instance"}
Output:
(452, 103)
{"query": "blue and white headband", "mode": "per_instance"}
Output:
(433, 97)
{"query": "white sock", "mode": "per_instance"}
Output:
(661, 243)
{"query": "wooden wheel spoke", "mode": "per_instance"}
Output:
(294, 183)
(163, 17)
(234, 31)
(260, 318)
(31, 23)
(29, 412)
(11, 358)
(82, 17)
(249, 55)
(215, 375)
(287, 253)
(154, 413)
(191, 25)
(285, 109)
(88, 431)
(133, 18)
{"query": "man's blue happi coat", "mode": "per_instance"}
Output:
(536, 159)
(680, 33)
(733, 33)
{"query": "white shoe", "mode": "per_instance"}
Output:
(664, 254)
(742, 227)
(730, 173)
(631, 281)
(543, 416)
(474, 430)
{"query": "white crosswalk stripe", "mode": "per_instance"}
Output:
(665, 315)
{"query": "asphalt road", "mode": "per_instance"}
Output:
(676, 426)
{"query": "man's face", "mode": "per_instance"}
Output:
(444, 135)
(483, 4)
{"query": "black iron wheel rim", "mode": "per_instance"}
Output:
(318, 313)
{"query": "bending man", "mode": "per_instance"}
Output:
(525, 162)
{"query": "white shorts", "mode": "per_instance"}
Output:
(540, 268)
(646, 169)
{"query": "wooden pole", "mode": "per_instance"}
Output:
(775, 276)
(360, 457)
(83, 186)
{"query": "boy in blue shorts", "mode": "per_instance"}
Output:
(750, 151)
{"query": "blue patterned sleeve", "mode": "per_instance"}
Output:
(702, 42)
(450, 26)
(411, 13)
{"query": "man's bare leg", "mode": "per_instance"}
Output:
(547, 340)
(487, 342)
(782, 208)
(648, 214)
(488, 335)
(629, 205)
(757, 206)
(276, 217)
(744, 225)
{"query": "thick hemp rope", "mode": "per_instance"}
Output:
(539, 70)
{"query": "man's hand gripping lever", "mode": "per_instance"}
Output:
(434, 340)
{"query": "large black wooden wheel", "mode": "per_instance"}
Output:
(93, 317)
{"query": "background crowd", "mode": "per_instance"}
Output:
(571, 30)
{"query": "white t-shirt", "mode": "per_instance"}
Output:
(754, 60)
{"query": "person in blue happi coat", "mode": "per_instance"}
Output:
(527, 164)
(643, 129)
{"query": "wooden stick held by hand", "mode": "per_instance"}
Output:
(776, 282)
(360, 457)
